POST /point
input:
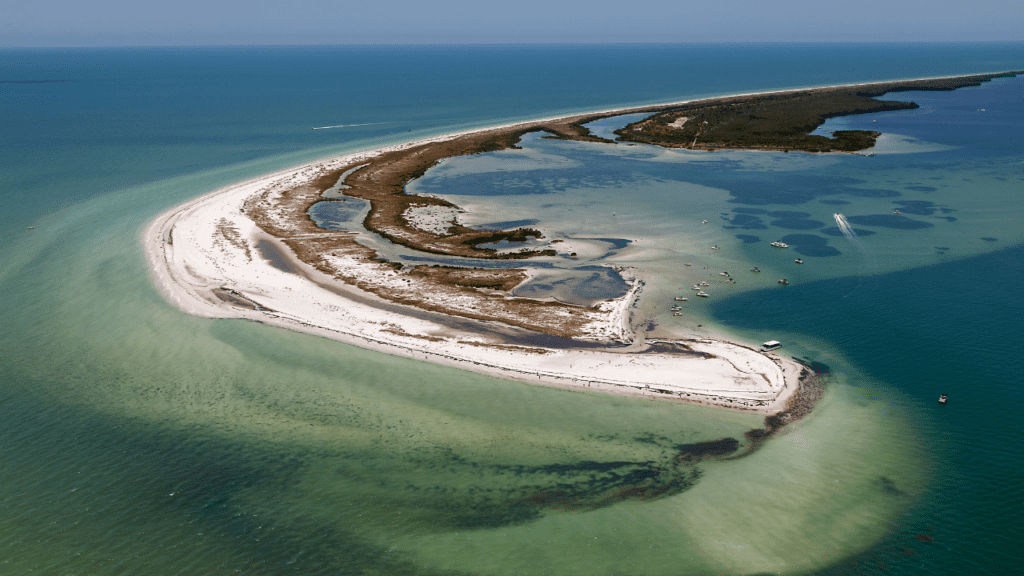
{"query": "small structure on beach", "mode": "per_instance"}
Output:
(771, 345)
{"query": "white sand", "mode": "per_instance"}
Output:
(434, 219)
(679, 122)
(209, 245)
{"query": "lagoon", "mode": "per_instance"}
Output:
(138, 439)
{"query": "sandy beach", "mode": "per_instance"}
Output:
(250, 251)
(210, 260)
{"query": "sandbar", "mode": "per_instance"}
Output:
(249, 251)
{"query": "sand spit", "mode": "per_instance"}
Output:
(212, 260)
(206, 257)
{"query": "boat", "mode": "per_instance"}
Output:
(784, 282)
(897, 212)
(943, 398)
(703, 284)
(703, 221)
(686, 264)
(755, 269)
(695, 287)
(778, 244)
(771, 345)
(703, 294)
(723, 273)
(798, 261)
(715, 247)
(680, 299)
(677, 313)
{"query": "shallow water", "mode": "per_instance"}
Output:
(136, 439)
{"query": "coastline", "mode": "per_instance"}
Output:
(736, 377)
(203, 275)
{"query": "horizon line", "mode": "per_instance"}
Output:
(516, 44)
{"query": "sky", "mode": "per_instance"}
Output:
(277, 22)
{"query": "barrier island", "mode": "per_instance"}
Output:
(252, 251)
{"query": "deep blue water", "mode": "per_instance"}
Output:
(81, 122)
(946, 329)
(86, 124)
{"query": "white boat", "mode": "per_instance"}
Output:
(723, 273)
(677, 313)
(799, 261)
(695, 287)
(778, 244)
(771, 345)
(680, 299)
(715, 247)
(703, 284)
(703, 294)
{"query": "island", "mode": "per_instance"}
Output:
(252, 251)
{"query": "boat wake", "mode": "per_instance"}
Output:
(868, 263)
(348, 125)
(847, 230)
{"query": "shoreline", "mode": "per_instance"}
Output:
(717, 373)
(215, 276)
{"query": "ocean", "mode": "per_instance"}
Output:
(135, 439)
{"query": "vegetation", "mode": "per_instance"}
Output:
(781, 121)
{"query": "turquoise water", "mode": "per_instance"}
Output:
(136, 439)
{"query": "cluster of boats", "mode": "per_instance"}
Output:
(677, 311)
(700, 289)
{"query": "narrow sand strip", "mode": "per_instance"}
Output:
(205, 257)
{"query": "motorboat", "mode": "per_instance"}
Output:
(680, 299)
(723, 273)
(755, 269)
(695, 287)
(798, 261)
(784, 282)
(778, 244)
(703, 294)
(943, 398)
(703, 284)
(715, 247)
